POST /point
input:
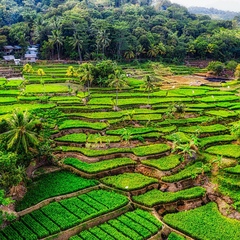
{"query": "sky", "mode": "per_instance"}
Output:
(227, 5)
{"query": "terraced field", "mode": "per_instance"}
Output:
(170, 171)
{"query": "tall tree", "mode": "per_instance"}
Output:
(77, 42)
(103, 40)
(85, 72)
(149, 86)
(118, 81)
(27, 68)
(57, 39)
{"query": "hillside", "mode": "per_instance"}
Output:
(214, 13)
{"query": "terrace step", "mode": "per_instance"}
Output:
(9, 72)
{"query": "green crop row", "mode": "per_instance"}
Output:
(154, 197)
(24, 231)
(131, 225)
(98, 166)
(216, 139)
(186, 120)
(203, 129)
(220, 93)
(62, 215)
(205, 223)
(189, 171)
(82, 124)
(222, 113)
(9, 92)
(138, 151)
(13, 83)
(137, 101)
(164, 163)
(58, 183)
(8, 100)
(175, 236)
(178, 136)
(235, 169)
(23, 107)
(91, 138)
(46, 88)
(128, 181)
(150, 149)
(228, 150)
(94, 152)
(219, 98)
(131, 130)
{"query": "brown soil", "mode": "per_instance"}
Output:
(171, 82)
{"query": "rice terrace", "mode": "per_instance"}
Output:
(146, 155)
(119, 120)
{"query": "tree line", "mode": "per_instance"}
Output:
(119, 30)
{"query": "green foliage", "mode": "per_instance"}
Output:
(155, 197)
(74, 137)
(189, 171)
(175, 236)
(65, 214)
(128, 181)
(150, 149)
(164, 163)
(98, 166)
(142, 222)
(203, 129)
(235, 169)
(10, 173)
(82, 124)
(94, 152)
(20, 135)
(4, 201)
(222, 113)
(225, 150)
(47, 88)
(58, 183)
(216, 139)
(235, 130)
(219, 98)
(216, 67)
(205, 222)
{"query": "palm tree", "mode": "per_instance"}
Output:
(41, 73)
(27, 68)
(56, 39)
(139, 50)
(77, 42)
(149, 87)
(86, 73)
(20, 134)
(103, 40)
(153, 51)
(129, 54)
(117, 80)
(71, 72)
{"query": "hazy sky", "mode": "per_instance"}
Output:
(230, 5)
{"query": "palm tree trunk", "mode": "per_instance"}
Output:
(116, 98)
(58, 51)
(79, 54)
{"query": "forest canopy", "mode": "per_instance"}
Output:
(116, 29)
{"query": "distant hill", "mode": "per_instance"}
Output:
(214, 13)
